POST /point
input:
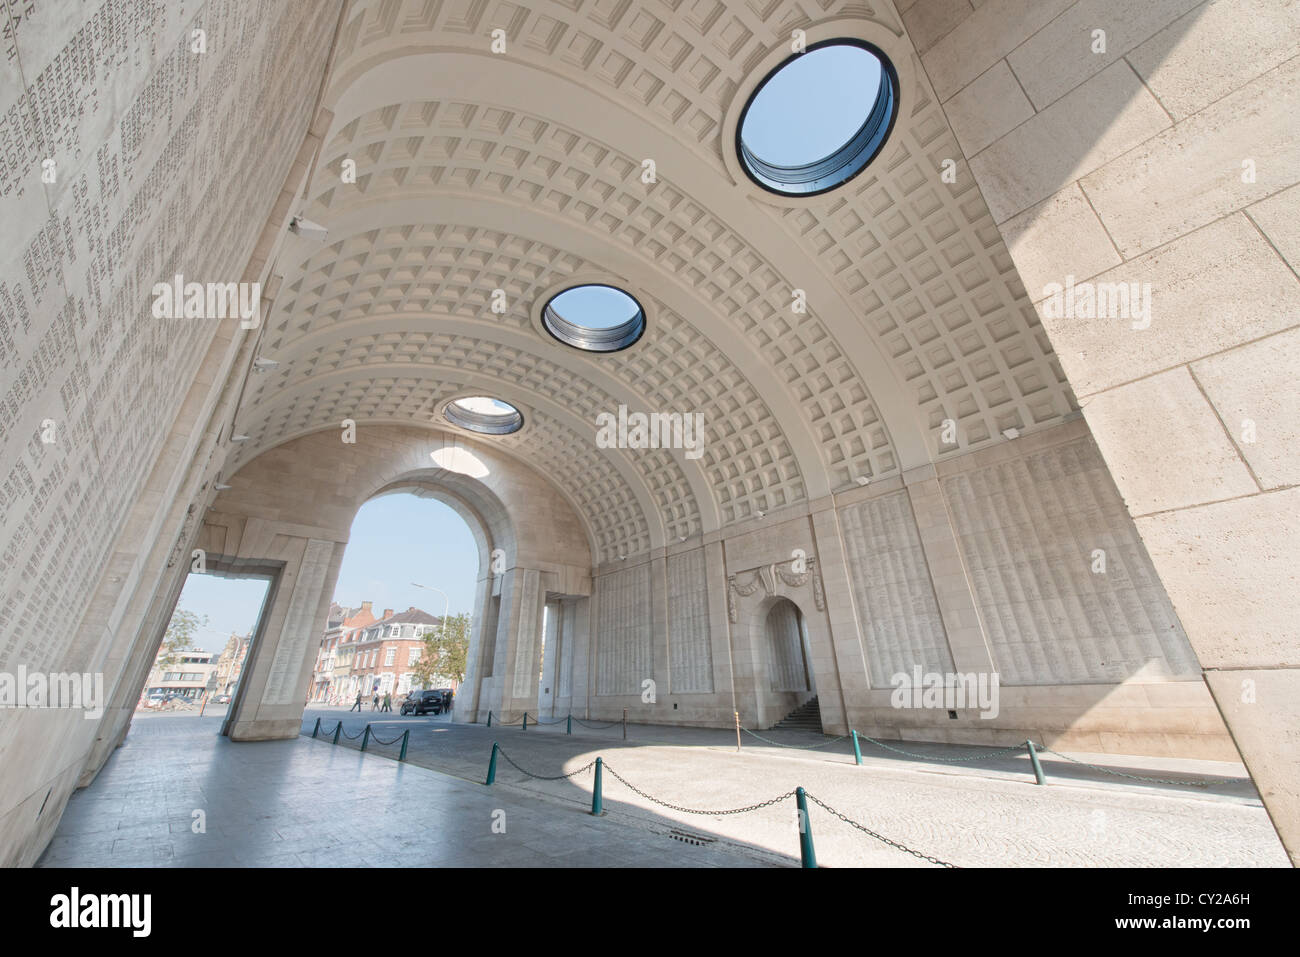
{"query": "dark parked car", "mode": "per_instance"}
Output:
(423, 702)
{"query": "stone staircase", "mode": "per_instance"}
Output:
(806, 717)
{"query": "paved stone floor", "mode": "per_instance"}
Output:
(300, 803)
(310, 802)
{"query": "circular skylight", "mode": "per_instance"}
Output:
(819, 118)
(594, 317)
(481, 413)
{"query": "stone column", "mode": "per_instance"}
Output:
(274, 690)
(720, 639)
(658, 635)
(132, 674)
(549, 690)
(582, 610)
(518, 635)
(841, 666)
(482, 640)
(746, 656)
(952, 592)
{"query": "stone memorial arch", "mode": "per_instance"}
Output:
(1100, 509)
(293, 506)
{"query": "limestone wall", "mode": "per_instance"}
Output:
(131, 149)
(1062, 592)
(1170, 158)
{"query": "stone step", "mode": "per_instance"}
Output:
(806, 717)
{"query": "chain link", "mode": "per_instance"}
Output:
(797, 747)
(932, 757)
(1138, 777)
(598, 727)
(543, 777)
(689, 810)
(879, 837)
(538, 720)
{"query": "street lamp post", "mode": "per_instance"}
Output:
(446, 607)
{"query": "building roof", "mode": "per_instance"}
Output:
(412, 616)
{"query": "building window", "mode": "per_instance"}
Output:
(594, 317)
(412, 656)
(389, 656)
(481, 413)
(819, 118)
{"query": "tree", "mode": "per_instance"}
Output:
(444, 654)
(180, 636)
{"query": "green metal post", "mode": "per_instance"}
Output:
(525, 720)
(568, 728)
(1033, 759)
(625, 724)
(489, 719)
(857, 749)
(316, 729)
(406, 738)
(597, 807)
(365, 738)
(492, 764)
(337, 729)
(807, 855)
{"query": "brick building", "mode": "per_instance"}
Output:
(385, 652)
(334, 658)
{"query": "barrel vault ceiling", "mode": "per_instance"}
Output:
(478, 172)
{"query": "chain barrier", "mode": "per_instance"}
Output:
(542, 777)
(538, 720)
(777, 800)
(932, 757)
(1138, 777)
(599, 727)
(353, 737)
(797, 747)
(688, 810)
(879, 837)
(378, 740)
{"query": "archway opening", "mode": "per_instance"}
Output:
(789, 666)
(397, 632)
(202, 657)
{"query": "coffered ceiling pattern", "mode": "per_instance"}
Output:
(478, 172)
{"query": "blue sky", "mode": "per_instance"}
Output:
(396, 540)
(813, 106)
(595, 306)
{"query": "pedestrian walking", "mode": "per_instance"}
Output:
(357, 706)
(388, 702)
(374, 702)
